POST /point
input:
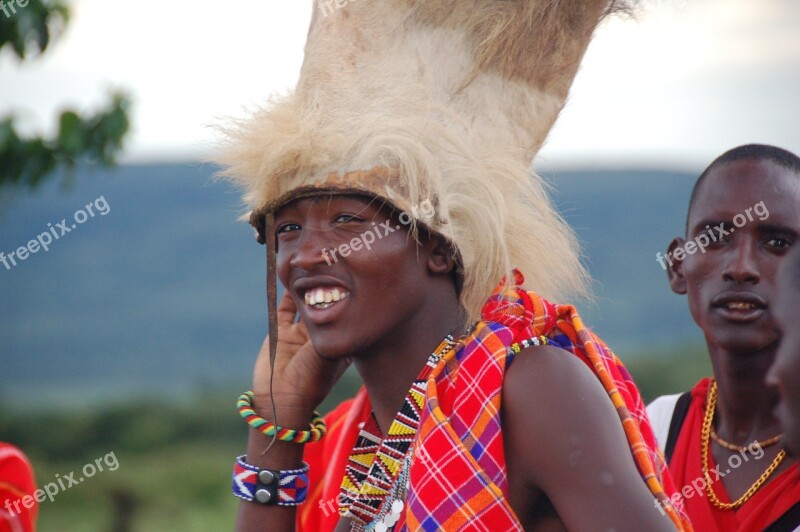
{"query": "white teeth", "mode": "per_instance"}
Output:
(324, 297)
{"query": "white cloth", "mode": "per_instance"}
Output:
(660, 414)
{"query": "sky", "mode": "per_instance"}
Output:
(673, 88)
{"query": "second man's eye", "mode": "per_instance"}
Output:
(779, 242)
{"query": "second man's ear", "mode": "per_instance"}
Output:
(674, 266)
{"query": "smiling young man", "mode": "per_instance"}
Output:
(721, 439)
(484, 406)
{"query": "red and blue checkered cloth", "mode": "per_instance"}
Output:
(458, 477)
(464, 486)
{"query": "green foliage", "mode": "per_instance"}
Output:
(28, 29)
(138, 428)
(175, 460)
(176, 487)
(174, 463)
(96, 138)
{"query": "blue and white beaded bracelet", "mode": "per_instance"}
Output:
(268, 486)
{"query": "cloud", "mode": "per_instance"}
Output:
(677, 85)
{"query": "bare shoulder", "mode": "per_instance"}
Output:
(543, 362)
(546, 376)
(564, 438)
(549, 391)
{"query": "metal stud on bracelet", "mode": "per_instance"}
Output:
(269, 486)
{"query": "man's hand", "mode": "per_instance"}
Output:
(302, 378)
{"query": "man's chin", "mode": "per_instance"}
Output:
(330, 349)
(328, 352)
(741, 339)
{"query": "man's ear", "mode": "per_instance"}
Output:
(674, 268)
(440, 258)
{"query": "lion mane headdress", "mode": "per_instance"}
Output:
(444, 101)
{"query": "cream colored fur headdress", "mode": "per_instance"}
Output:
(444, 101)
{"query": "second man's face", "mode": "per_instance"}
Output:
(749, 210)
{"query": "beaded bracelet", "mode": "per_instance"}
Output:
(268, 428)
(268, 486)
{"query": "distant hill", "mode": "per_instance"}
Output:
(164, 293)
(623, 218)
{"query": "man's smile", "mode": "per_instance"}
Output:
(323, 297)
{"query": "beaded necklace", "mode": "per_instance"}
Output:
(705, 446)
(376, 477)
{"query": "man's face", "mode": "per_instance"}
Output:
(784, 375)
(353, 270)
(749, 211)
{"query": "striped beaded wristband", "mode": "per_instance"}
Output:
(268, 428)
(268, 486)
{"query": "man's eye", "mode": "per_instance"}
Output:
(345, 218)
(779, 242)
(286, 228)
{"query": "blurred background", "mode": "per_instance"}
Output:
(137, 329)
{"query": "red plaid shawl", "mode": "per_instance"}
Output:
(458, 479)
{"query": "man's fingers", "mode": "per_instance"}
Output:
(265, 345)
(286, 310)
(261, 370)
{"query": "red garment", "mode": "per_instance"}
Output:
(464, 483)
(16, 484)
(774, 498)
(326, 461)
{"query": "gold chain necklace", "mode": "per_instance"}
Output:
(746, 448)
(705, 445)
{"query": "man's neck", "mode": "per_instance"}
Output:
(745, 404)
(389, 371)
